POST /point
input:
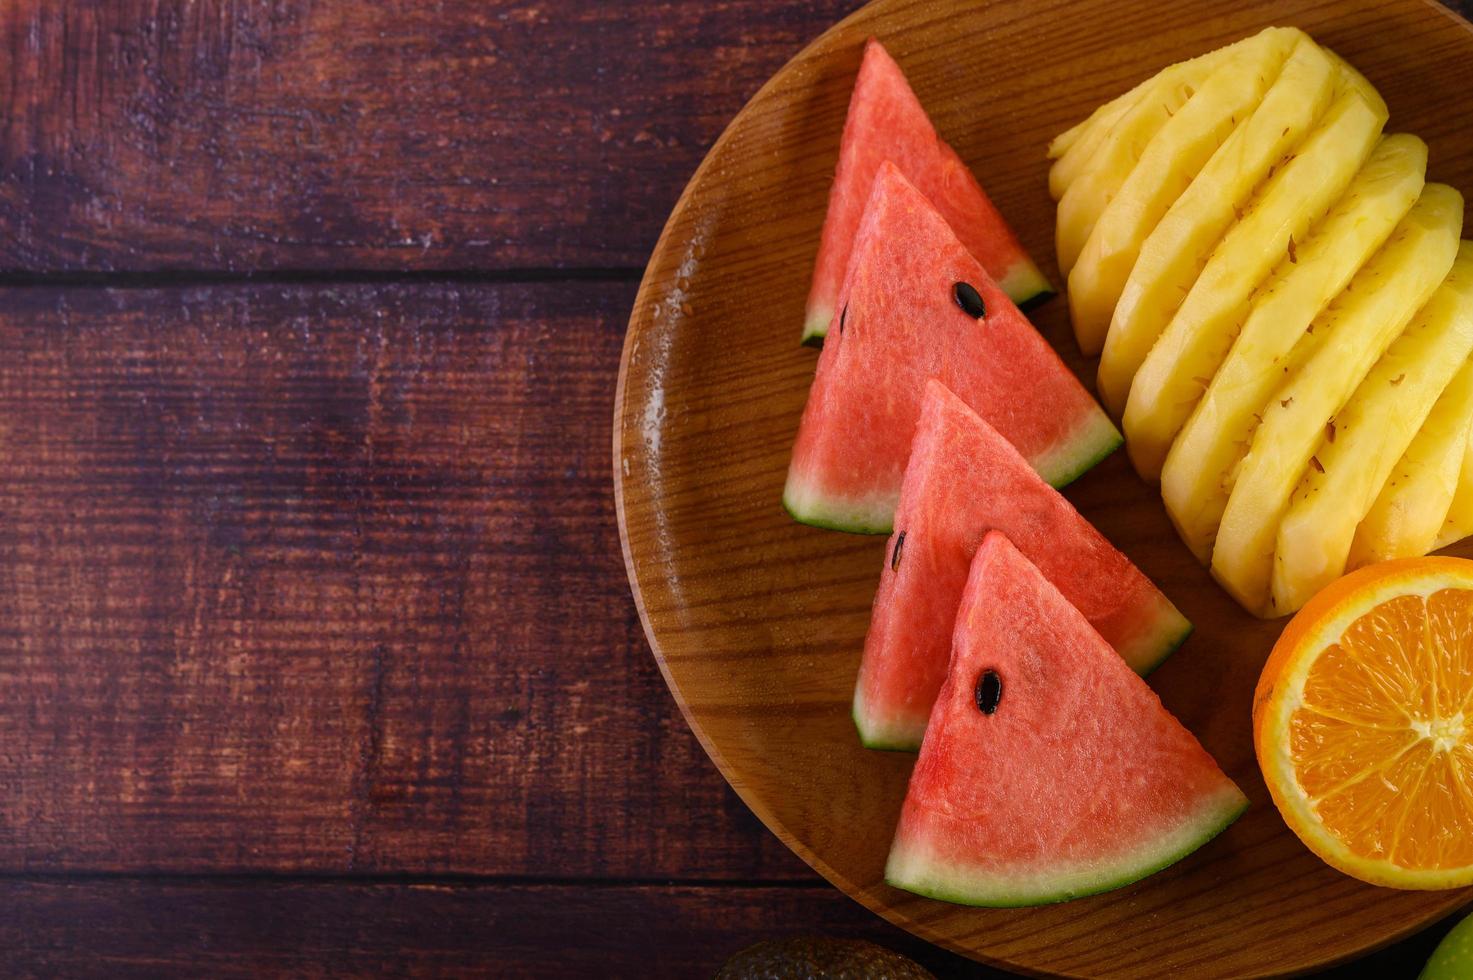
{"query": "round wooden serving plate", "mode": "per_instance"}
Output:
(758, 622)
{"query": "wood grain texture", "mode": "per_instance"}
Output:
(461, 134)
(759, 622)
(224, 929)
(123, 928)
(319, 580)
(326, 579)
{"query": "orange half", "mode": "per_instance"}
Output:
(1363, 723)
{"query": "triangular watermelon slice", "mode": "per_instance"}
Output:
(964, 481)
(886, 122)
(904, 321)
(1049, 770)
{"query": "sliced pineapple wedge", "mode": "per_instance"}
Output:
(1105, 115)
(1414, 504)
(1173, 255)
(1187, 354)
(1075, 150)
(1110, 161)
(1355, 80)
(1347, 339)
(1195, 478)
(1175, 156)
(1459, 521)
(1115, 157)
(1066, 170)
(1368, 436)
(1060, 144)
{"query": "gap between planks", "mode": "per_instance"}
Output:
(409, 879)
(188, 278)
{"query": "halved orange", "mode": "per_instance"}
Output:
(1363, 723)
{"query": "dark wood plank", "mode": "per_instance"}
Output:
(222, 928)
(404, 134)
(327, 579)
(244, 929)
(401, 134)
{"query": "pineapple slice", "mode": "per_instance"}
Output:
(1104, 116)
(1195, 480)
(1167, 167)
(1066, 170)
(1358, 82)
(1187, 354)
(1060, 144)
(1172, 257)
(1368, 436)
(1459, 522)
(1347, 339)
(1074, 150)
(1116, 155)
(1415, 502)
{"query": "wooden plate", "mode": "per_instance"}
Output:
(758, 622)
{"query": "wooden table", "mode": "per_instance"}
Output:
(317, 654)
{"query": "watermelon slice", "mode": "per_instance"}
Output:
(1049, 770)
(904, 322)
(963, 481)
(886, 122)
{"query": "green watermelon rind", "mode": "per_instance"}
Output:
(1169, 631)
(1094, 442)
(1097, 438)
(1174, 630)
(946, 883)
(1171, 641)
(1025, 284)
(1037, 299)
(816, 328)
(876, 742)
(1149, 648)
(852, 520)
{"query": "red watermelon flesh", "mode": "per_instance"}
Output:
(1077, 781)
(887, 122)
(964, 481)
(902, 323)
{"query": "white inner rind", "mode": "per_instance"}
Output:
(873, 514)
(1166, 630)
(1095, 438)
(916, 867)
(899, 734)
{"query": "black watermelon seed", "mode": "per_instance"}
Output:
(969, 300)
(895, 555)
(989, 691)
(843, 315)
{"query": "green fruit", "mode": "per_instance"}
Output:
(1453, 958)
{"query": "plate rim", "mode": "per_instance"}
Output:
(638, 325)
